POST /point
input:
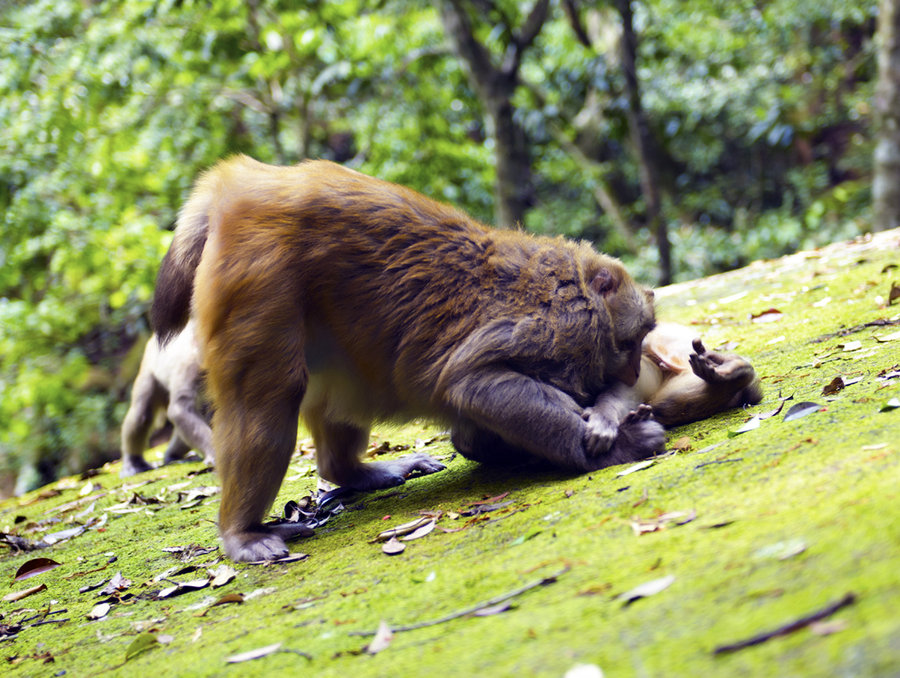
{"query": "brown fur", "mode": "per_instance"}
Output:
(359, 300)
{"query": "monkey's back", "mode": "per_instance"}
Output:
(381, 282)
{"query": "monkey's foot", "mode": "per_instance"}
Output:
(253, 545)
(133, 465)
(640, 436)
(379, 474)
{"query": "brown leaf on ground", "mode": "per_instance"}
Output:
(18, 595)
(35, 566)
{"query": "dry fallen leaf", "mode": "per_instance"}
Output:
(221, 575)
(750, 425)
(650, 588)
(400, 530)
(224, 600)
(801, 410)
(24, 593)
(183, 587)
(383, 638)
(253, 654)
(426, 529)
(781, 550)
(637, 467)
(62, 535)
(881, 339)
(99, 611)
(834, 386)
(891, 404)
(643, 526)
(393, 546)
(35, 566)
(116, 583)
(768, 316)
(682, 444)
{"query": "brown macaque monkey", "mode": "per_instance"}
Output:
(168, 379)
(680, 382)
(320, 290)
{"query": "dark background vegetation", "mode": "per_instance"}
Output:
(733, 130)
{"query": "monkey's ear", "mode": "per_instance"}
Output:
(604, 283)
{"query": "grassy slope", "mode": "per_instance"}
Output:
(826, 484)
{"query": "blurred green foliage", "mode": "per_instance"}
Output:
(110, 109)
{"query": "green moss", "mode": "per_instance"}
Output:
(825, 485)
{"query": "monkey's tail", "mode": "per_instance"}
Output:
(171, 307)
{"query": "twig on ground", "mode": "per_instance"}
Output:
(795, 625)
(718, 461)
(496, 600)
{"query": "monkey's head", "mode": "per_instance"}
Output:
(631, 312)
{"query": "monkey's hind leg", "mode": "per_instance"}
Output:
(147, 396)
(339, 449)
(484, 446)
(176, 449)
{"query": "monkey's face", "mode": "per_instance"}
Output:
(632, 313)
(628, 374)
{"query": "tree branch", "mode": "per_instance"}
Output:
(521, 42)
(571, 10)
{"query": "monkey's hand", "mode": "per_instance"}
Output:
(640, 436)
(376, 475)
(599, 431)
(719, 368)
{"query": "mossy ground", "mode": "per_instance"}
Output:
(821, 492)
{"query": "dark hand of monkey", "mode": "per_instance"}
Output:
(603, 419)
(640, 436)
(377, 475)
(637, 437)
(599, 433)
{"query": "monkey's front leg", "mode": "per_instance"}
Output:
(604, 417)
(527, 414)
(339, 450)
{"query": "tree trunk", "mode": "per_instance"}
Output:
(495, 85)
(886, 180)
(643, 143)
(514, 189)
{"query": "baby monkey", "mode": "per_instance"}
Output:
(680, 382)
(167, 381)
